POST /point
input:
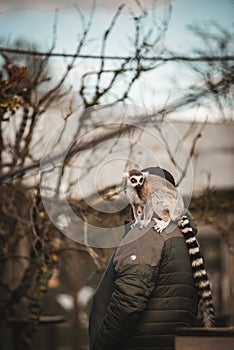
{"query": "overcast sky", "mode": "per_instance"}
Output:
(34, 21)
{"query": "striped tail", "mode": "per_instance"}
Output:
(199, 272)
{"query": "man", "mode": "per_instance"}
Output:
(147, 291)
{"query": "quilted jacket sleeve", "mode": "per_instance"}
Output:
(133, 286)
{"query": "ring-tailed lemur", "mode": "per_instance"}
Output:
(152, 194)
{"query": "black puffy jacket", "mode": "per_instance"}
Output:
(146, 292)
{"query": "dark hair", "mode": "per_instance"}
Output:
(156, 170)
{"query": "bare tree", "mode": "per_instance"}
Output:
(27, 93)
(217, 77)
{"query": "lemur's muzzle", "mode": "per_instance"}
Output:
(138, 187)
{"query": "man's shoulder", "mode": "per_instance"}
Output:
(172, 230)
(139, 246)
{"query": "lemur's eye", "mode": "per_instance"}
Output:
(133, 181)
(141, 180)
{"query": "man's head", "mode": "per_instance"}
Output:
(160, 172)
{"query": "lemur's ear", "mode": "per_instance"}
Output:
(125, 175)
(145, 173)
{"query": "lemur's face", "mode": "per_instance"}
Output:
(136, 180)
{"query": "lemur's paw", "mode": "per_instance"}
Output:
(144, 223)
(159, 225)
(134, 225)
(157, 228)
(140, 224)
(137, 224)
